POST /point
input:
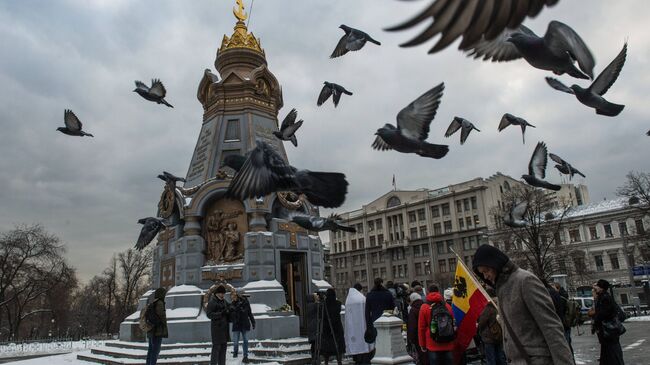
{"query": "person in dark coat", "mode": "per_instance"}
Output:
(218, 311)
(311, 318)
(242, 319)
(491, 333)
(378, 300)
(610, 349)
(332, 340)
(412, 342)
(533, 333)
(159, 330)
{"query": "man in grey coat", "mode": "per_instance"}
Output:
(533, 333)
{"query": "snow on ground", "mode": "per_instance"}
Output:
(638, 319)
(71, 358)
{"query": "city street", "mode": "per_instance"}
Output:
(634, 343)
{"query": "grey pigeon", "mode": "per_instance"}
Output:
(289, 127)
(352, 40)
(234, 161)
(537, 169)
(265, 172)
(331, 89)
(413, 128)
(169, 178)
(565, 167)
(593, 95)
(151, 227)
(318, 224)
(648, 133)
(72, 125)
(155, 93)
(557, 51)
(509, 119)
(473, 20)
(515, 216)
(459, 123)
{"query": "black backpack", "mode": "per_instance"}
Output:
(151, 315)
(442, 326)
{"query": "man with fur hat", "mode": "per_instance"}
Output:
(606, 309)
(533, 333)
(218, 310)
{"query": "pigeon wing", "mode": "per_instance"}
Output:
(556, 158)
(414, 120)
(607, 77)
(341, 47)
(505, 121)
(157, 88)
(558, 85)
(519, 210)
(498, 49)
(289, 119)
(325, 94)
(141, 85)
(538, 161)
(471, 19)
(453, 127)
(464, 133)
(380, 144)
(356, 40)
(560, 38)
(291, 129)
(336, 96)
(71, 121)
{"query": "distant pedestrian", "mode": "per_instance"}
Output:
(159, 330)
(417, 288)
(311, 318)
(332, 337)
(606, 310)
(412, 342)
(439, 352)
(242, 320)
(570, 312)
(379, 299)
(533, 333)
(491, 333)
(218, 311)
(355, 326)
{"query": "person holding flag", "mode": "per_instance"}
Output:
(533, 333)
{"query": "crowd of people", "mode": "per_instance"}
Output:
(524, 321)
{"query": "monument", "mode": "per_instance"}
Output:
(249, 244)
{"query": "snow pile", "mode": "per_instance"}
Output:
(263, 284)
(259, 308)
(638, 319)
(184, 289)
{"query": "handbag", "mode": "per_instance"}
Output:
(612, 328)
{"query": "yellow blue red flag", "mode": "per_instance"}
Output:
(468, 302)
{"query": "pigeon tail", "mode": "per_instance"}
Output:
(373, 41)
(294, 140)
(166, 103)
(436, 151)
(610, 109)
(346, 228)
(324, 189)
(347, 92)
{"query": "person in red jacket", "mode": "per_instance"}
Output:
(439, 353)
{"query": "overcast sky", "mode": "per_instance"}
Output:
(85, 55)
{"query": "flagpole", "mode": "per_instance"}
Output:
(479, 286)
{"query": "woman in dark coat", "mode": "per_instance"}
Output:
(218, 311)
(610, 349)
(412, 342)
(332, 340)
(242, 319)
(311, 323)
(159, 330)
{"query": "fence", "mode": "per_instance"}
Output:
(54, 345)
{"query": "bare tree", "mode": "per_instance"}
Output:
(135, 270)
(538, 245)
(110, 285)
(637, 190)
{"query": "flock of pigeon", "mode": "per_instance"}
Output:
(490, 30)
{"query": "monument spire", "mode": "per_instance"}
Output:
(241, 38)
(239, 11)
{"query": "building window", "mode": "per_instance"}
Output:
(445, 209)
(416, 251)
(414, 233)
(561, 265)
(459, 206)
(622, 227)
(466, 244)
(423, 231)
(461, 224)
(373, 241)
(425, 249)
(360, 228)
(473, 200)
(354, 244)
(466, 204)
(468, 220)
(379, 224)
(574, 235)
(435, 211)
(593, 233)
(613, 258)
(442, 265)
(383, 272)
(450, 246)
(380, 239)
(232, 130)
(608, 230)
(447, 226)
(624, 299)
(411, 217)
(440, 247)
(375, 273)
(371, 226)
(452, 264)
(418, 269)
(639, 226)
(437, 229)
(427, 268)
(477, 222)
(361, 243)
(393, 201)
(599, 263)
(421, 216)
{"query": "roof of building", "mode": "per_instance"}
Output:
(597, 208)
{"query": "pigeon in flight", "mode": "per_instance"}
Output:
(318, 224)
(593, 95)
(331, 89)
(459, 123)
(265, 171)
(413, 128)
(537, 169)
(154, 93)
(565, 167)
(234, 161)
(169, 178)
(648, 133)
(473, 20)
(72, 125)
(151, 227)
(556, 51)
(352, 40)
(509, 119)
(289, 127)
(514, 218)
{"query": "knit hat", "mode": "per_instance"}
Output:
(415, 296)
(220, 289)
(603, 284)
(448, 294)
(489, 256)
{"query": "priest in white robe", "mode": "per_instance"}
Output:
(355, 326)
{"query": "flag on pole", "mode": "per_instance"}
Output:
(468, 302)
(394, 186)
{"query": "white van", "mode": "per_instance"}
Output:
(585, 304)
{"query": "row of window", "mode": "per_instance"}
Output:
(574, 233)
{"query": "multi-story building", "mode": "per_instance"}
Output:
(417, 235)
